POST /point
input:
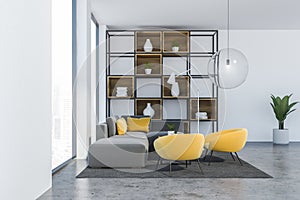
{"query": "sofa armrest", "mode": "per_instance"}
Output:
(101, 131)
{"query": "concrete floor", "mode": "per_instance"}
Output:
(281, 162)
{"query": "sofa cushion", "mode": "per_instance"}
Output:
(118, 151)
(101, 131)
(139, 117)
(121, 126)
(111, 124)
(129, 144)
(141, 135)
(138, 124)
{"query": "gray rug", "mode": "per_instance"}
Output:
(226, 169)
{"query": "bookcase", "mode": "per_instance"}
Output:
(126, 64)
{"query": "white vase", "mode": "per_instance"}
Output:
(281, 136)
(149, 110)
(148, 71)
(148, 46)
(175, 90)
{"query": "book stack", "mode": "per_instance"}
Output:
(201, 115)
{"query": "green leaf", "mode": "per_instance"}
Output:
(293, 104)
(273, 106)
(291, 111)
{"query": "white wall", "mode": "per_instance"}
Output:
(274, 68)
(25, 102)
(87, 80)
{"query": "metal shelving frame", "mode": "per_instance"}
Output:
(192, 33)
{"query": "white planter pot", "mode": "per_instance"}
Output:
(171, 132)
(281, 136)
(175, 49)
(148, 71)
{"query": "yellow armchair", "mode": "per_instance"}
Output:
(179, 147)
(231, 141)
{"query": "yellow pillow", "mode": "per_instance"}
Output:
(138, 124)
(121, 126)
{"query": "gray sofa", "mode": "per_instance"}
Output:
(116, 151)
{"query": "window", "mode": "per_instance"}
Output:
(62, 145)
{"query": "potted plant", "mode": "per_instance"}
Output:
(175, 46)
(148, 68)
(282, 108)
(171, 129)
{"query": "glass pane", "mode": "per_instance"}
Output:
(121, 44)
(201, 44)
(121, 65)
(204, 127)
(148, 87)
(121, 107)
(174, 64)
(199, 65)
(179, 113)
(201, 87)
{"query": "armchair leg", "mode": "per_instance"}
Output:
(157, 164)
(206, 151)
(238, 158)
(200, 166)
(170, 167)
(232, 156)
(211, 153)
(186, 164)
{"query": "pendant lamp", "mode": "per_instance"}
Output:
(228, 68)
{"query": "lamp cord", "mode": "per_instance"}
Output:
(228, 24)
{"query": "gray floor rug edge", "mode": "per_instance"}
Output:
(226, 169)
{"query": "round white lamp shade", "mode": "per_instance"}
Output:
(228, 68)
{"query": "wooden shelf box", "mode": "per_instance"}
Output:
(155, 39)
(156, 104)
(208, 105)
(183, 82)
(154, 62)
(179, 37)
(120, 81)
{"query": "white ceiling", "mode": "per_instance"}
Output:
(200, 14)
